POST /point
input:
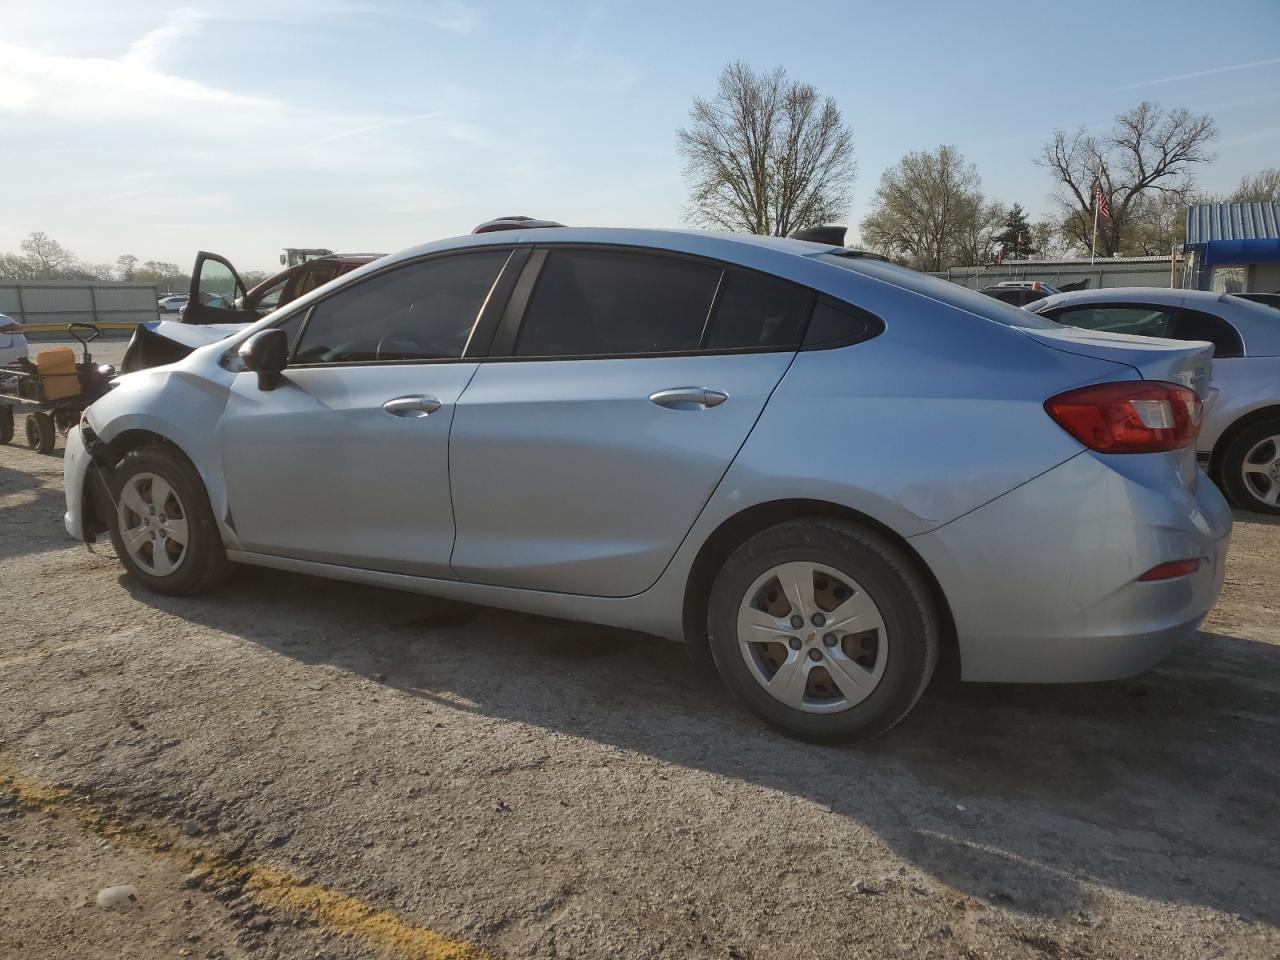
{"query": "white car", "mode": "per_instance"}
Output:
(1239, 441)
(13, 342)
(172, 304)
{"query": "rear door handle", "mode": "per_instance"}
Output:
(412, 406)
(688, 398)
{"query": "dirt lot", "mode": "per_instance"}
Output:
(295, 768)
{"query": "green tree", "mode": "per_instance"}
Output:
(766, 155)
(1015, 240)
(929, 212)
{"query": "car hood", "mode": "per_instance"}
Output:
(1189, 363)
(192, 334)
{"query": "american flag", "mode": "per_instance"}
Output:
(1101, 201)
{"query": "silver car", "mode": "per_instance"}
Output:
(821, 471)
(1239, 442)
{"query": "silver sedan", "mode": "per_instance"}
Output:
(1239, 441)
(820, 471)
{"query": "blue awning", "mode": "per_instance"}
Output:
(1234, 232)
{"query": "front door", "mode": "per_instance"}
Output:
(347, 460)
(580, 462)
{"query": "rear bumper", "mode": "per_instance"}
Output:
(1043, 582)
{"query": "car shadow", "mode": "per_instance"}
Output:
(1165, 785)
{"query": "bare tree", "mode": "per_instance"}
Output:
(1148, 151)
(125, 265)
(766, 155)
(48, 254)
(1262, 187)
(929, 211)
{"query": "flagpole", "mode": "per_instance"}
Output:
(1093, 245)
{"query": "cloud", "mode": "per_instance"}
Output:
(152, 48)
(99, 89)
(1231, 68)
(371, 127)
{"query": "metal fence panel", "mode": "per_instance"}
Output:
(51, 305)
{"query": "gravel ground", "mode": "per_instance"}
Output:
(295, 768)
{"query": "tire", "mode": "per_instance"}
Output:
(150, 518)
(40, 432)
(896, 657)
(6, 424)
(1250, 468)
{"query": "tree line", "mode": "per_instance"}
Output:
(769, 155)
(43, 258)
(40, 257)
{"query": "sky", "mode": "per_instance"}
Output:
(244, 126)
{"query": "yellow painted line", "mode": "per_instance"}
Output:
(271, 886)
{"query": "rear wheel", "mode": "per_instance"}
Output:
(161, 523)
(824, 629)
(40, 432)
(1251, 468)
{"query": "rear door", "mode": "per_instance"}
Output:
(619, 388)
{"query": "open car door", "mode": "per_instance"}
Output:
(217, 293)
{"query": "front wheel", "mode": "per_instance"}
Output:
(1251, 468)
(824, 629)
(162, 526)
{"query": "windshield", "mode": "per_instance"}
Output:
(951, 294)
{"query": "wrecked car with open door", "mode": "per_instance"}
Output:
(219, 305)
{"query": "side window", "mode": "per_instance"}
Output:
(218, 287)
(754, 310)
(604, 302)
(315, 273)
(837, 324)
(421, 311)
(271, 299)
(291, 326)
(1194, 325)
(1138, 320)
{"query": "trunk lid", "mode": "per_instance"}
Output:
(1189, 363)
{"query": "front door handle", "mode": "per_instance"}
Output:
(412, 406)
(688, 398)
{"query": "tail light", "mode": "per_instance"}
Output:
(10, 326)
(1130, 416)
(1174, 568)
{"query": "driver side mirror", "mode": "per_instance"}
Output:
(266, 353)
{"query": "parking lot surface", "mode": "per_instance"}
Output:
(291, 767)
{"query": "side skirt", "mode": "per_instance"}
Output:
(628, 613)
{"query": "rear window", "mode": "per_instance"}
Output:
(943, 291)
(754, 311)
(616, 303)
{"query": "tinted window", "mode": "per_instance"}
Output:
(754, 310)
(1194, 325)
(833, 324)
(1138, 320)
(423, 311)
(592, 302)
